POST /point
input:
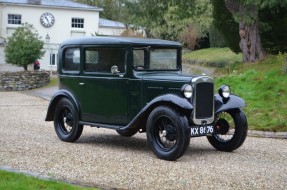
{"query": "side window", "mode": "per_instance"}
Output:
(92, 60)
(72, 60)
(163, 59)
(101, 60)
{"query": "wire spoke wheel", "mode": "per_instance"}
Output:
(165, 133)
(168, 133)
(66, 121)
(230, 130)
(225, 126)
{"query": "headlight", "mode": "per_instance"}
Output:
(224, 91)
(186, 90)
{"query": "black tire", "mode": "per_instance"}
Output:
(66, 121)
(168, 133)
(127, 132)
(230, 130)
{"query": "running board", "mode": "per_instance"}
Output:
(99, 125)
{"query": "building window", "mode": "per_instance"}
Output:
(77, 23)
(14, 19)
(53, 59)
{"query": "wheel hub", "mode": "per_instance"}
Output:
(222, 126)
(69, 119)
(169, 133)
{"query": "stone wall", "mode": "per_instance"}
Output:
(24, 80)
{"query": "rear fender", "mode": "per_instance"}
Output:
(56, 98)
(232, 102)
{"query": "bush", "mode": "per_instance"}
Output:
(189, 37)
(24, 47)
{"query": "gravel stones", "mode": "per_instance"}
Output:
(103, 158)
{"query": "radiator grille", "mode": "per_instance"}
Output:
(204, 100)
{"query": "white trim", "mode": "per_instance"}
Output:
(52, 7)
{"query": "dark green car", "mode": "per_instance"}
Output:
(136, 85)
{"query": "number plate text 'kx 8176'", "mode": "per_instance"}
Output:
(202, 130)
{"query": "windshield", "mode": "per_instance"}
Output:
(155, 59)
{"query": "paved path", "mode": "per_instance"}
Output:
(45, 92)
(102, 158)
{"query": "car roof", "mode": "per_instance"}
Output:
(119, 41)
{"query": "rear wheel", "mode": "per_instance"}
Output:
(168, 133)
(230, 130)
(66, 121)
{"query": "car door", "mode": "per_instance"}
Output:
(103, 91)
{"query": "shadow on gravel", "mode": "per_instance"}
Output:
(135, 143)
(115, 141)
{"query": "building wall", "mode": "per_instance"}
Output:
(2, 55)
(110, 31)
(60, 31)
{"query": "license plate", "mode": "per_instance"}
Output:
(202, 130)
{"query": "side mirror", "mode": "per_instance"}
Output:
(114, 69)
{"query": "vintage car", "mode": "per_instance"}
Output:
(136, 85)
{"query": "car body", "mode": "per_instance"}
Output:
(136, 85)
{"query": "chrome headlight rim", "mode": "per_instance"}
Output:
(187, 91)
(224, 91)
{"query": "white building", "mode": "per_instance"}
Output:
(55, 20)
(111, 28)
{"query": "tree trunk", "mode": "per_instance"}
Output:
(25, 67)
(250, 41)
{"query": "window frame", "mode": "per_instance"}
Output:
(147, 58)
(53, 59)
(75, 22)
(64, 61)
(14, 21)
(104, 47)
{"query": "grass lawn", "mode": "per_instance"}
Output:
(53, 82)
(215, 57)
(263, 85)
(10, 180)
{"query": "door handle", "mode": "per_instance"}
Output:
(81, 83)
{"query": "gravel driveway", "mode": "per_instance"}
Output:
(103, 158)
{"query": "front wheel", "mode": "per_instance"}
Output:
(230, 130)
(66, 121)
(168, 133)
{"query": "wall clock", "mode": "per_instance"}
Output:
(47, 20)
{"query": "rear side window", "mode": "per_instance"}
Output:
(72, 60)
(101, 60)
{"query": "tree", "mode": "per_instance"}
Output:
(112, 9)
(224, 22)
(246, 13)
(24, 47)
(167, 19)
(274, 30)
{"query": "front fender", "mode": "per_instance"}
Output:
(55, 99)
(231, 103)
(169, 99)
